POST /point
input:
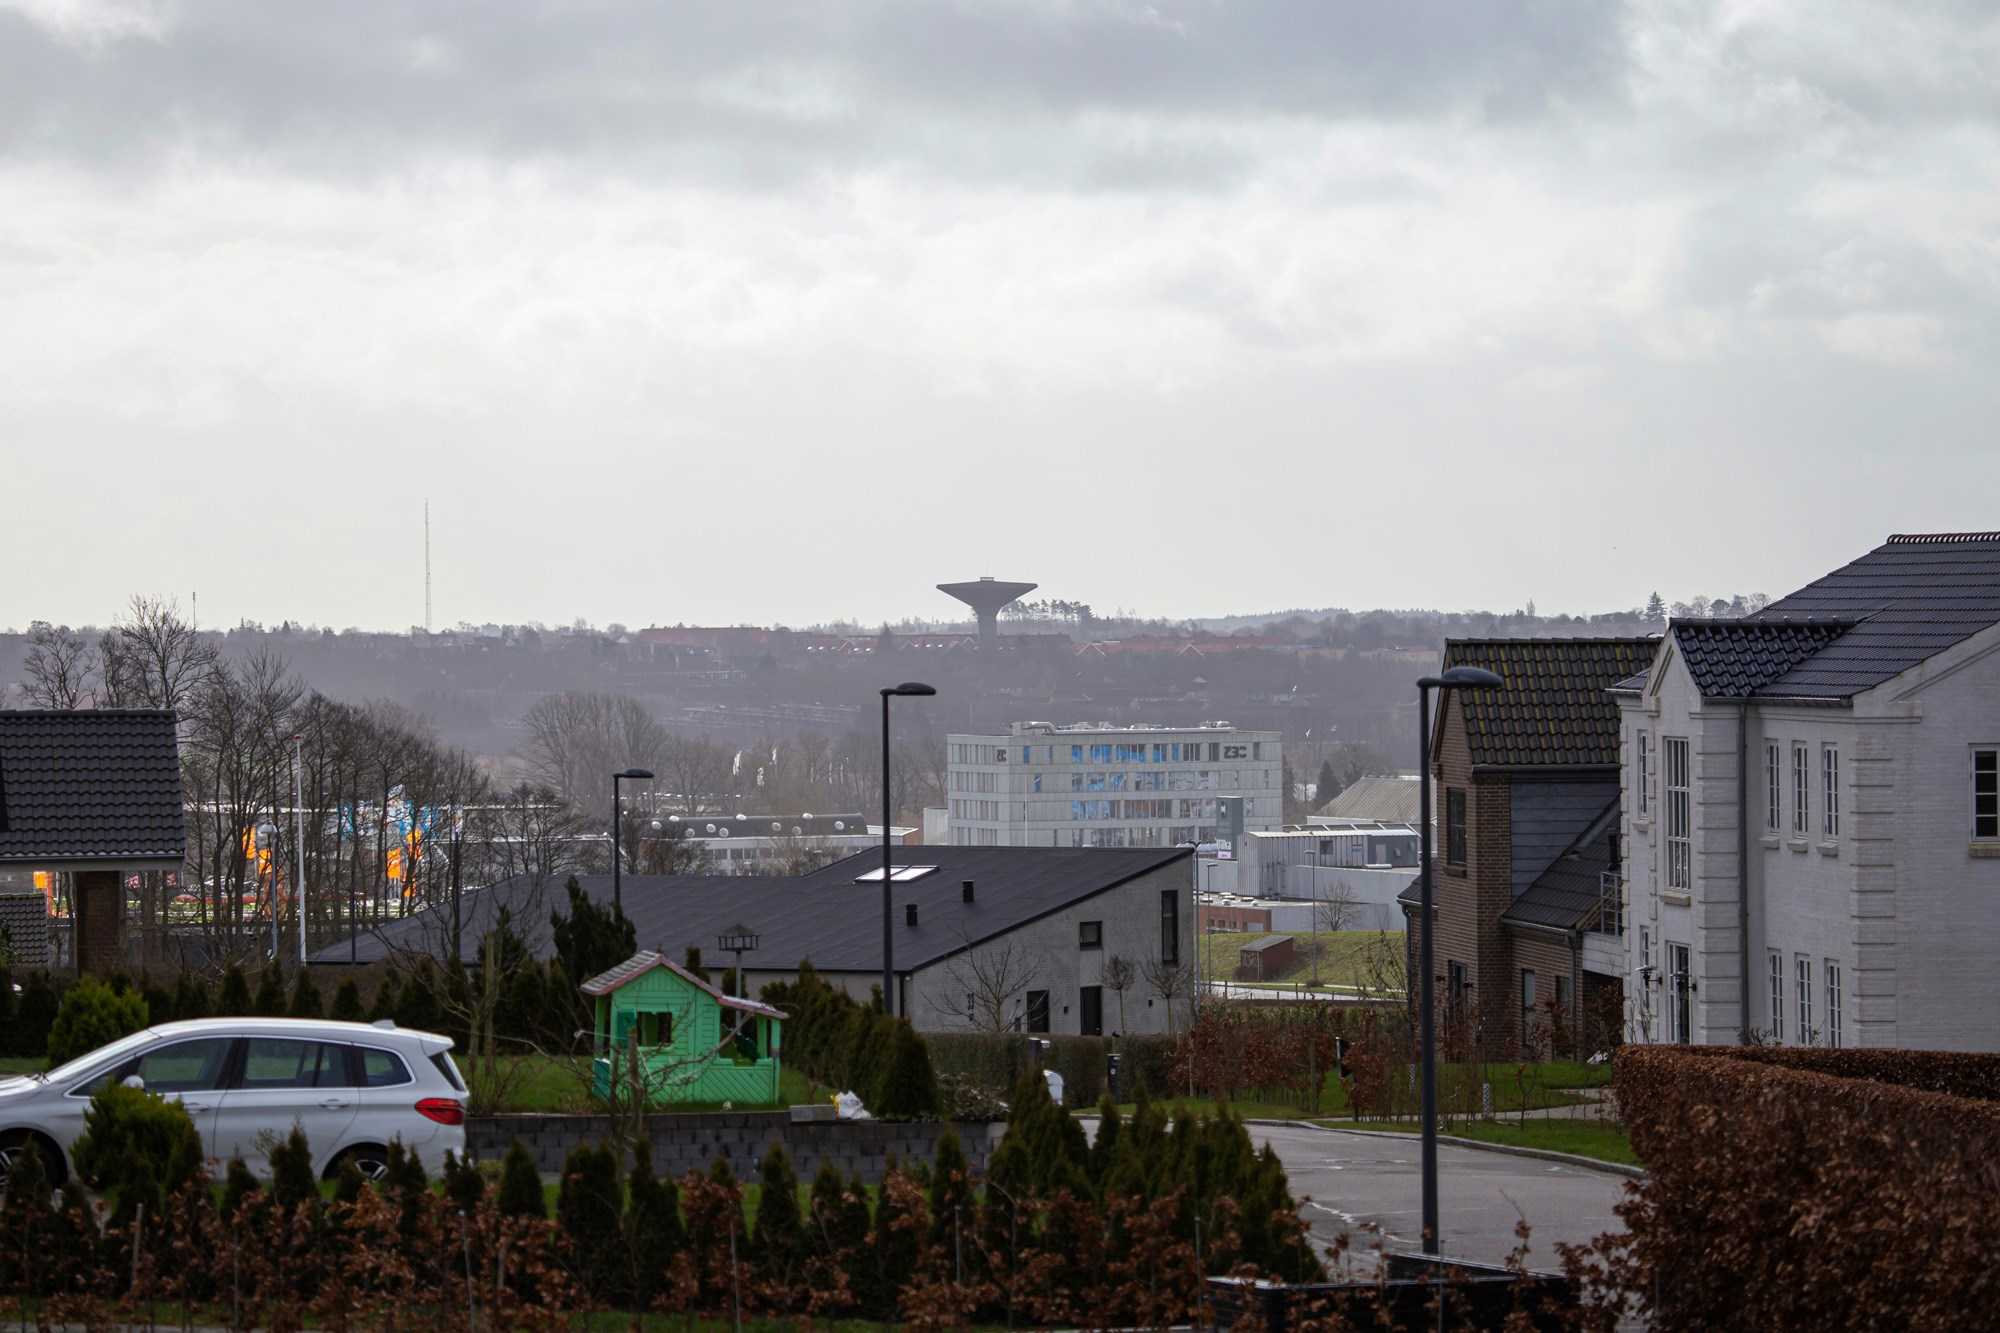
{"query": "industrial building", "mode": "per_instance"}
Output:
(1098, 785)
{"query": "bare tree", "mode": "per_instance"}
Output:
(663, 845)
(1120, 976)
(995, 979)
(577, 740)
(696, 772)
(60, 667)
(1170, 982)
(159, 660)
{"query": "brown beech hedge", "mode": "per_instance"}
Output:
(1782, 1195)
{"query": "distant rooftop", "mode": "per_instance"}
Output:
(1084, 728)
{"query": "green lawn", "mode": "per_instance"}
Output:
(1601, 1139)
(1342, 955)
(22, 1064)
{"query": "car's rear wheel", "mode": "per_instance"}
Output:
(14, 1145)
(370, 1159)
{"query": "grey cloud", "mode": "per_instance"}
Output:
(356, 86)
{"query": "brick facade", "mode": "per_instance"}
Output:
(100, 921)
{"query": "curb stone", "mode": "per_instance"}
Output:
(1509, 1149)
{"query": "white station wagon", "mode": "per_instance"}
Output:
(353, 1087)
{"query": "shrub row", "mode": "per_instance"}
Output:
(1974, 1074)
(1118, 1234)
(855, 1047)
(1783, 1197)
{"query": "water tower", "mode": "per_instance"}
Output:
(986, 595)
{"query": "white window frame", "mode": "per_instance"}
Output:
(1833, 1003)
(1777, 970)
(1973, 791)
(1802, 973)
(1679, 800)
(1774, 786)
(1801, 789)
(1680, 992)
(1642, 743)
(1829, 776)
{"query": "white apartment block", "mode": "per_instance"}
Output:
(1811, 812)
(1043, 785)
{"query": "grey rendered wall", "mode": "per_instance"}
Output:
(1131, 917)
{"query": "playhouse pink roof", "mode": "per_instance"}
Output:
(639, 964)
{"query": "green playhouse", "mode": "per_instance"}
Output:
(695, 1044)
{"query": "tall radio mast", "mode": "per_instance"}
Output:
(427, 566)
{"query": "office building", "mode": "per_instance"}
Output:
(1097, 785)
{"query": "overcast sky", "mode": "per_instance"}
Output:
(755, 311)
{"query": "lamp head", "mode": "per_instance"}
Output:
(909, 688)
(637, 774)
(1463, 678)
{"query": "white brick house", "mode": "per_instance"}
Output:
(1847, 893)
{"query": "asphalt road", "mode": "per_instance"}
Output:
(1354, 1181)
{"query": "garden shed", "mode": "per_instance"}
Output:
(1266, 959)
(694, 1043)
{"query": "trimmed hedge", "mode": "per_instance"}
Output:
(1974, 1074)
(994, 1060)
(1778, 1196)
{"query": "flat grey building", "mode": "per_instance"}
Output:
(1098, 785)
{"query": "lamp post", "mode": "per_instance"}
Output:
(617, 820)
(908, 689)
(1457, 678)
(299, 840)
(739, 939)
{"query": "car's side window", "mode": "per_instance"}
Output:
(285, 1062)
(382, 1069)
(185, 1066)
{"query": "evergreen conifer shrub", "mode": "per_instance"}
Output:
(305, 1001)
(908, 1089)
(234, 1001)
(136, 1148)
(269, 1001)
(779, 1243)
(521, 1185)
(292, 1179)
(589, 1210)
(92, 1015)
(653, 1232)
(347, 1004)
(191, 997)
(34, 1016)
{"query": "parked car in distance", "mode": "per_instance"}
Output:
(353, 1087)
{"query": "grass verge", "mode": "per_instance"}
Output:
(1603, 1140)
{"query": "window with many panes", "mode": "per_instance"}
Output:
(1774, 787)
(1680, 990)
(1801, 790)
(1803, 965)
(1985, 792)
(1777, 961)
(1454, 826)
(1642, 747)
(1680, 816)
(1829, 796)
(1833, 1003)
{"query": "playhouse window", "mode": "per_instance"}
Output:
(656, 1029)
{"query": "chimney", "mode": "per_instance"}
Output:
(965, 889)
(910, 915)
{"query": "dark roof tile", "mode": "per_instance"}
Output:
(99, 785)
(1553, 711)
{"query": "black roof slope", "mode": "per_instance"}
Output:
(1553, 711)
(1567, 894)
(824, 916)
(1739, 659)
(1914, 596)
(99, 786)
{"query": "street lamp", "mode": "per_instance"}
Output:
(1457, 678)
(913, 689)
(618, 818)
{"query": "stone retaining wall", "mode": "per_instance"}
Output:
(683, 1143)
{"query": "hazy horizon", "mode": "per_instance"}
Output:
(725, 313)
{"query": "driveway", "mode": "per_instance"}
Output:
(1357, 1180)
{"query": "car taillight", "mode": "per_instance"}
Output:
(444, 1110)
